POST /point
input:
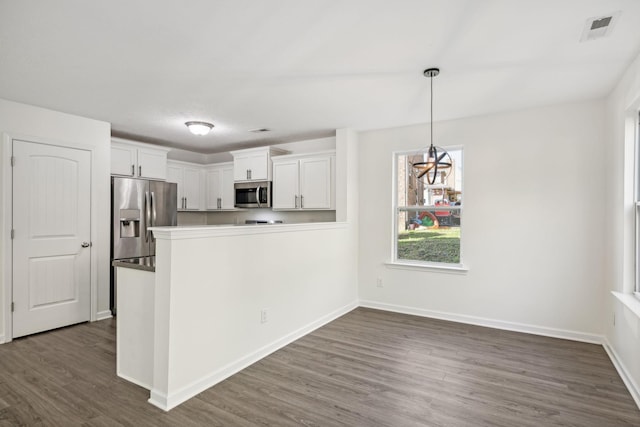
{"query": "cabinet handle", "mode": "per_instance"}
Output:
(140, 170)
(295, 204)
(219, 203)
(133, 170)
(301, 201)
(185, 203)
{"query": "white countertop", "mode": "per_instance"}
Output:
(198, 231)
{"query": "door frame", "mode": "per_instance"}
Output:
(6, 280)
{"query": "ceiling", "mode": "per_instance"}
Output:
(302, 68)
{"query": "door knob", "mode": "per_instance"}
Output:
(85, 244)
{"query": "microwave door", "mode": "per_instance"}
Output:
(246, 197)
(258, 196)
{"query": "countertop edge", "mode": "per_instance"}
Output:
(196, 232)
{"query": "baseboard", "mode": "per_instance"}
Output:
(159, 400)
(490, 323)
(633, 388)
(134, 381)
(101, 315)
(167, 402)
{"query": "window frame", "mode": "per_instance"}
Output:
(636, 203)
(395, 211)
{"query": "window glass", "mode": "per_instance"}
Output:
(428, 217)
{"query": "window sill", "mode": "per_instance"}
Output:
(629, 301)
(444, 268)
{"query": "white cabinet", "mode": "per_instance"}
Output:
(219, 187)
(286, 186)
(124, 159)
(138, 160)
(189, 178)
(254, 164)
(303, 182)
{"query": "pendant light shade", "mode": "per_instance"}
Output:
(199, 128)
(438, 162)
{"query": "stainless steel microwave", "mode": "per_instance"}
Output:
(253, 194)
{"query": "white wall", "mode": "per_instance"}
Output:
(297, 147)
(304, 274)
(533, 222)
(46, 126)
(210, 290)
(623, 338)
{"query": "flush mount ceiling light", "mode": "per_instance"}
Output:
(199, 128)
(438, 163)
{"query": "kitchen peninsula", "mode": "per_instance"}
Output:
(226, 296)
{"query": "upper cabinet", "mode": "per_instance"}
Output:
(304, 182)
(254, 164)
(138, 160)
(189, 178)
(219, 187)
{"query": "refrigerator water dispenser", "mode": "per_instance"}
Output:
(129, 223)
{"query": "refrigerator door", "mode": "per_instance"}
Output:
(130, 201)
(164, 197)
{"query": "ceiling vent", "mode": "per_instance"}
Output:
(260, 130)
(599, 26)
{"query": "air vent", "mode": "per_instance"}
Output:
(260, 130)
(599, 27)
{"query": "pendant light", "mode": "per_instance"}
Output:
(438, 160)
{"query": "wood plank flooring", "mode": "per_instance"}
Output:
(368, 368)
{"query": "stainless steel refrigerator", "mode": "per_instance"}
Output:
(136, 205)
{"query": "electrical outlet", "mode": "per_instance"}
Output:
(379, 283)
(264, 315)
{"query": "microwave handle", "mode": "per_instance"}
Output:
(258, 196)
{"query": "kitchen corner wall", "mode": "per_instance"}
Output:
(533, 224)
(41, 125)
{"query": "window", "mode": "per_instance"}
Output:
(427, 217)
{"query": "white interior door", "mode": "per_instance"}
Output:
(51, 222)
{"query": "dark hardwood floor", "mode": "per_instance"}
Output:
(368, 368)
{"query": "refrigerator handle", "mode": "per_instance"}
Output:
(154, 213)
(147, 211)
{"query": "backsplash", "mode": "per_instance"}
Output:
(239, 217)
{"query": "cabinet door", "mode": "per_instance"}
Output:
(251, 167)
(192, 188)
(174, 174)
(123, 160)
(315, 183)
(285, 185)
(241, 168)
(152, 164)
(227, 191)
(213, 188)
